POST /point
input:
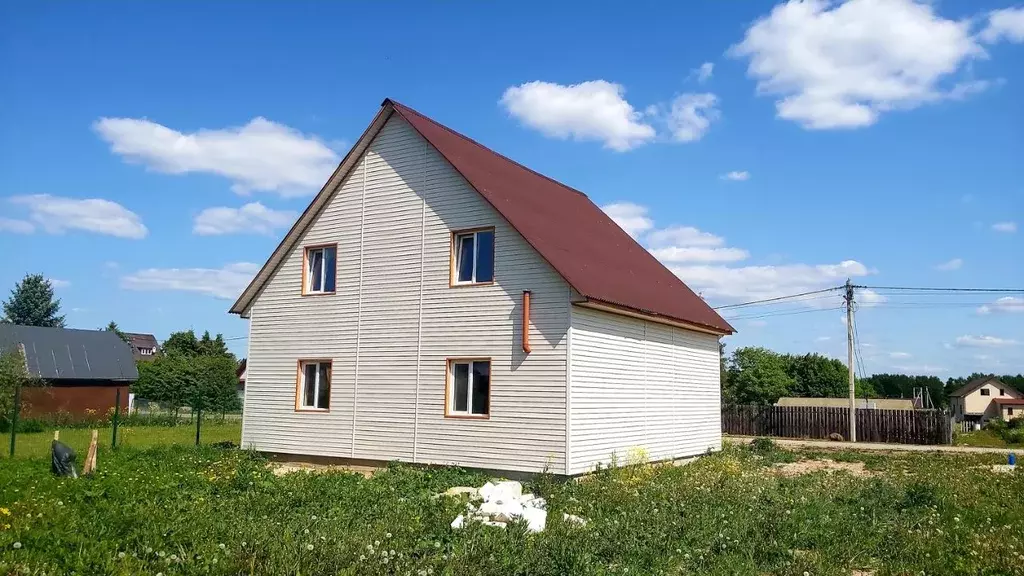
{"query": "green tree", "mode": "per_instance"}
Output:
(757, 376)
(186, 344)
(817, 376)
(32, 303)
(723, 369)
(12, 374)
(112, 327)
(208, 383)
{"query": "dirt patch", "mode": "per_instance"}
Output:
(811, 466)
(282, 468)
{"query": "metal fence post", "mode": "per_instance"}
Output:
(199, 421)
(116, 419)
(14, 415)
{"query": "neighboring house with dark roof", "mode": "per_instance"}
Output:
(80, 370)
(440, 303)
(240, 372)
(144, 346)
(985, 398)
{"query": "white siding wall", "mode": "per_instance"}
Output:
(394, 321)
(640, 385)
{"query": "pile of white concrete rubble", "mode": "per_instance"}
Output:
(497, 504)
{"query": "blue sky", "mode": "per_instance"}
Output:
(153, 154)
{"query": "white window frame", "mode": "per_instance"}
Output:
(145, 351)
(300, 401)
(308, 272)
(457, 248)
(450, 410)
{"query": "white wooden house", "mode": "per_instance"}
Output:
(389, 322)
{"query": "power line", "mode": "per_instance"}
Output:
(931, 289)
(784, 313)
(778, 298)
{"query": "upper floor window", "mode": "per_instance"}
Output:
(473, 257)
(1002, 391)
(314, 385)
(146, 351)
(985, 392)
(320, 266)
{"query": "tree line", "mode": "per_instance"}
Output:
(755, 375)
(198, 372)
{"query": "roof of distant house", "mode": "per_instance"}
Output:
(594, 255)
(70, 354)
(1009, 401)
(142, 340)
(978, 383)
(875, 403)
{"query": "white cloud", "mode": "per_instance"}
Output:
(704, 72)
(758, 282)
(596, 111)
(630, 217)
(57, 283)
(930, 369)
(737, 176)
(227, 282)
(842, 65)
(1008, 227)
(252, 218)
(984, 341)
(953, 264)
(260, 156)
(822, 338)
(1004, 304)
(697, 254)
(56, 215)
(868, 298)
(1007, 23)
(899, 355)
(683, 236)
(691, 115)
(16, 226)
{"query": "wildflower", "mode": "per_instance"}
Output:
(160, 553)
(309, 546)
(60, 502)
(437, 544)
(159, 574)
(313, 517)
(306, 531)
(387, 535)
(243, 543)
(369, 547)
(17, 545)
(120, 554)
(149, 550)
(956, 518)
(215, 560)
(5, 511)
(376, 542)
(362, 557)
(806, 573)
(174, 557)
(384, 560)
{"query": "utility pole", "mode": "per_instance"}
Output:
(849, 359)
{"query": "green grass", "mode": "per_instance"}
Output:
(37, 444)
(179, 510)
(984, 438)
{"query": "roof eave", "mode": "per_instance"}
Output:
(613, 308)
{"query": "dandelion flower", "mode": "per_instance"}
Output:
(313, 517)
(160, 553)
(437, 544)
(384, 560)
(806, 573)
(174, 557)
(17, 545)
(306, 531)
(387, 535)
(309, 546)
(120, 554)
(376, 542)
(362, 557)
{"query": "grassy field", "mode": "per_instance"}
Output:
(37, 444)
(984, 438)
(180, 510)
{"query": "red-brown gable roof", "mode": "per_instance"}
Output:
(580, 241)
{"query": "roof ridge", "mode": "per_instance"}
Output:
(398, 105)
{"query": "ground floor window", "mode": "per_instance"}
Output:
(468, 393)
(314, 385)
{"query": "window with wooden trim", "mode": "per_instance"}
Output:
(320, 269)
(469, 389)
(473, 257)
(314, 386)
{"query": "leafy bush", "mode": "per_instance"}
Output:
(762, 444)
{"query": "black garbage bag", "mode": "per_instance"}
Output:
(62, 459)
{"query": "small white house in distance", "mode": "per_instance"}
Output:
(985, 398)
(439, 303)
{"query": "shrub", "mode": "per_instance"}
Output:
(762, 444)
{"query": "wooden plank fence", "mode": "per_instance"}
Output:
(890, 426)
